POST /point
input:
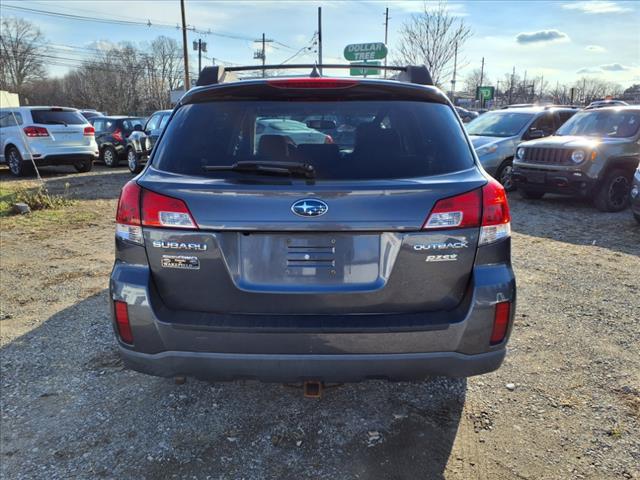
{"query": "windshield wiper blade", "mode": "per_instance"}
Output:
(269, 168)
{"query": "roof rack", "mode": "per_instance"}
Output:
(216, 74)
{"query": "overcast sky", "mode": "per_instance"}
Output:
(562, 40)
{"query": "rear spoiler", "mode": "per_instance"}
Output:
(418, 74)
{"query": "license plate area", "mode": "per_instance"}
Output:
(309, 262)
(536, 177)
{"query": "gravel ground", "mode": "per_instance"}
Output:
(566, 403)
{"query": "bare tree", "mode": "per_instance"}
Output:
(430, 38)
(589, 89)
(21, 48)
(472, 80)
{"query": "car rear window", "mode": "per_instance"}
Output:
(352, 139)
(57, 117)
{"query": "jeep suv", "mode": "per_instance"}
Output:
(593, 155)
(243, 255)
(141, 141)
(112, 135)
(495, 135)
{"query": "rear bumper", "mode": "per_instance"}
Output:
(553, 181)
(296, 347)
(327, 368)
(67, 159)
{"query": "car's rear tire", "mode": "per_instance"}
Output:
(83, 166)
(133, 161)
(17, 166)
(530, 194)
(613, 193)
(504, 175)
(110, 157)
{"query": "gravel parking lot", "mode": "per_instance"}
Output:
(566, 403)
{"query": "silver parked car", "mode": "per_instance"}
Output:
(496, 135)
(239, 255)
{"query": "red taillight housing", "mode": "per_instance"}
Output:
(496, 218)
(33, 131)
(461, 211)
(89, 131)
(486, 207)
(117, 135)
(500, 322)
(319, 82)
(122, 321)
(138, 207)
(162, 211)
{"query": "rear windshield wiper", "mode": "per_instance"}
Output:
(269, 168)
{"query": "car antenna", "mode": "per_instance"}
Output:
(314, 73)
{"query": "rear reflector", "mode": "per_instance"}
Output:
(461, 211)
(500, 322)
(320, 82)
(89, 131)
(162, 211)
(35, 131)
(122, 321)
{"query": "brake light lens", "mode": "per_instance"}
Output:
(33, 131)
(89, 131)
(500, 322)
(117, 135)
(496, 218)
(128, 223)
(319, 82)
(461, 211)
(122, 321)
(162, 211)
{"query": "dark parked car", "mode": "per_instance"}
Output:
(466, 115)
(88, 114)
(112, 134)
(593, 155)
(241, 255)
(141, 141)
(605, 103)
(635, 195)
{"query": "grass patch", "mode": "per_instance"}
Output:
(38, 198)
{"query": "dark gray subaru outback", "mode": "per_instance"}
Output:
(356, 237)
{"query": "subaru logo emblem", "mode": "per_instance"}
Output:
(309, 207)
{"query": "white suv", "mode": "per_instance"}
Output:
(48, 136)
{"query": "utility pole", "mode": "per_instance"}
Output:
(185, 50)
(481, 80)
(386, 35)
(320, 38)
(200, 46)
(511, 85)
(455, 68)
(262, 53)
(541, 86)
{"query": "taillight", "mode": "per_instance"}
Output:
(122, 321)
(33, 131)
(496, 219)
(89, 131)
(117, 135)
(320, 82)
(461, 211)
(500, 322)
(128, 223)
(162, 211)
